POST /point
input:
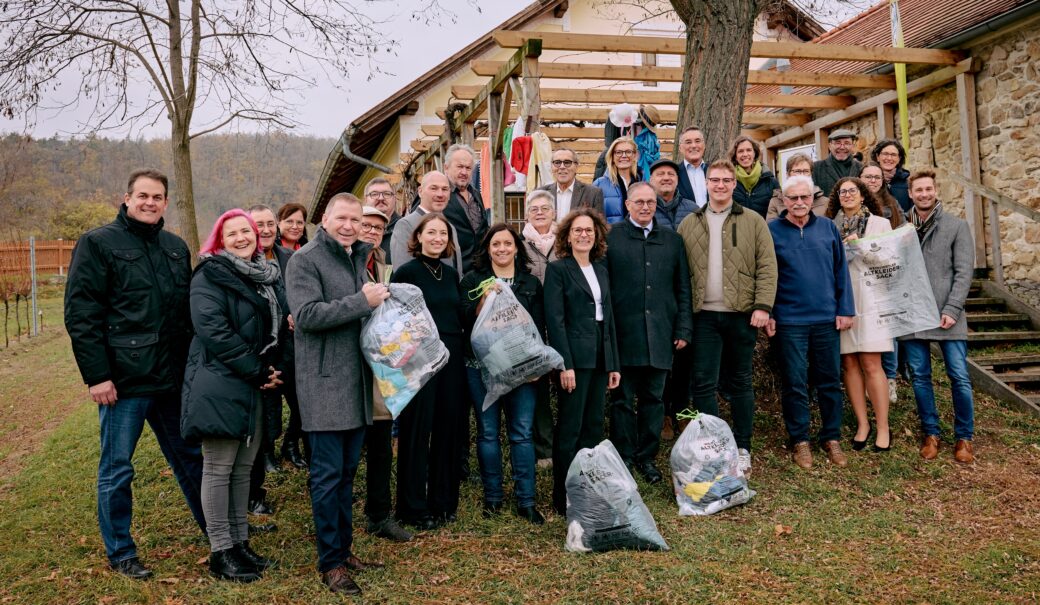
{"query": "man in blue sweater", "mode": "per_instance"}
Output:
(813, 302)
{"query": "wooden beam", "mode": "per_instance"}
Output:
(921, 85)
(668, 97)
(886, 119)
(970, 166)
(432, 130)
(677, 46)
(588, 71)
(668, 116)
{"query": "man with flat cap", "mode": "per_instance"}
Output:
(840, 163)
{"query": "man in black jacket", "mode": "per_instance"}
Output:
(465, 209)
(379, 194)
(840, 163)
(650, 286)
(126, 311)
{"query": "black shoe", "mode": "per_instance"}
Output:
(389, 529)
(230, 565)
(259, 507)
(270, 464)
(424, 523)
(262, 528)
(291, 452)
(878, 448)
(260, 563)
(132, 568)
(445, 518)
(859, 445)
(491, 509)
(531, 514)
(650, 472)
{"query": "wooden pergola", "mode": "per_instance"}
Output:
(777, 120)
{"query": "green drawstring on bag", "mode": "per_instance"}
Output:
(482, 288)
(687, 414)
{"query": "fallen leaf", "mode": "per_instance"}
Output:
(106, 600)
(82, 540)
(169, 580)
(439, 579)
(203, 560)
(782, 530)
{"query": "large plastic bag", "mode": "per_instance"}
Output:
(604, 509)
(706, 474)
(508, 346)
(401, 344)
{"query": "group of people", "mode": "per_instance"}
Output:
(652, 290)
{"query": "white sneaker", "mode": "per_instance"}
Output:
(744, 461)
(893, 394)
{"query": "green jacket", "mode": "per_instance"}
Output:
(748, 259)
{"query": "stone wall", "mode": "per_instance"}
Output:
(1008, 111)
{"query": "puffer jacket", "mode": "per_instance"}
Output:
(748, 259)
(613, 207)
(758, 198)
(225, 370)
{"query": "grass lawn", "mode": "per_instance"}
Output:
(887, 529)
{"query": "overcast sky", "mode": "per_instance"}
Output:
(326, 110)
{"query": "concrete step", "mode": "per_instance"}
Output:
(1006, 361)
(1018, 377)
(990, 338)
(992, 318)
(986, 302)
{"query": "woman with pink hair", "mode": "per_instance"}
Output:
(238, 312)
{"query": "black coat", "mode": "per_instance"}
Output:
(570, 315)
(469, 238)
(650, 288)
(225, 370)
(126, 307)
(525, 286)
(288, 355)
(758, 198)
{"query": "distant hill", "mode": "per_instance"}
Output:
(41, 180)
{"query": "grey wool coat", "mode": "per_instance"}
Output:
(949, 257)
(323, 285)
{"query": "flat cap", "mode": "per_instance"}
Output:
(842, 133)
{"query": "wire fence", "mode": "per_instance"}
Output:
(20, 263)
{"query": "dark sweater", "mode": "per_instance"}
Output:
(813, 283)
(443, 296)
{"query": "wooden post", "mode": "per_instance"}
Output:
(886, 119)
(821, 143)
(532, 99)
(994, 233)
(498, 120)
(469, 133)
(966, 109)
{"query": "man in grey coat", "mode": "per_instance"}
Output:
(434, 192)
(949, 257)
(329, 297)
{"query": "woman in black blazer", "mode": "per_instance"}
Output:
(580, 325)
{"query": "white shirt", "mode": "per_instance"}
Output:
(646, 230)
(697, 182)
(597, 294)
(563, 200)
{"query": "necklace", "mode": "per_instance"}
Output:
(439, 273)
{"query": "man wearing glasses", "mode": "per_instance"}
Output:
(379, 194)
(570, 193)
(813, 302)
(839, 164)
(733, 283)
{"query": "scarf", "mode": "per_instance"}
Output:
(856, 223)
(925, 225)
(544, 243)
(749, 179)
(264, 274)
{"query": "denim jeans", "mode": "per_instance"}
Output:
(334, 461)
(955, 356)
(801, 348)
(518, 406)
(121, 427)
(890, 362)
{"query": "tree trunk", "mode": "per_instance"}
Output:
(184, 193)
(718, 49)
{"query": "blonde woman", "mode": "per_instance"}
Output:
(622, 171)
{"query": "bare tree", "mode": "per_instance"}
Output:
(234, 60)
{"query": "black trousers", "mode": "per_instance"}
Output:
(293, 433)
(579, 425)
(543, 418)
(725, 340)
(271, 411)
(636, 430)
(429, 444)
(379, 458)
(677, 387)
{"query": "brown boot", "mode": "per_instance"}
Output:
(802, 455)
(667, 434)
(963, 452)
(834, 453)
(339, 581)
(930, 447)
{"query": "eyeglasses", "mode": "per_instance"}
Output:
(888, 154)
(583, 230)
(871, 177)
(380, 195)
(847, 192)
(801, 171)
(799, 198)
(624, 153)
(642, 203)
(842, 143)
(717, 180)
(563, 163)
(539, 209)
(369, 227)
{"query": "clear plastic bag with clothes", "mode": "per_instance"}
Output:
(402, 346)
(604, 508)
(706, 473)
(508, 346)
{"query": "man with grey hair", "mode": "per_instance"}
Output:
(813, 302)
(433, 197)
(465, 210)
(568, 191)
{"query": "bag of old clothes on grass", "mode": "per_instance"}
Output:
(507, 343)
(401, 344)
(706, 474)
(604, 509)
